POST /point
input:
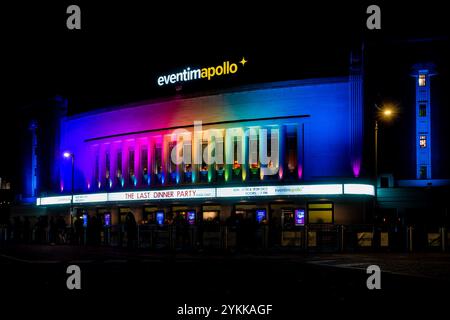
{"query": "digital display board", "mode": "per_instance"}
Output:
(160, 218)
(261, 215)
(107, 219)
(299, 217)
(191, 217)
(85, 220)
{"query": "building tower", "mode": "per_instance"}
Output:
(422, 74)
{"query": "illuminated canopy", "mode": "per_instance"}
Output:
(207, 193)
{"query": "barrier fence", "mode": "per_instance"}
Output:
(308, 238)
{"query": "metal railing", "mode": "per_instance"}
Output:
(313, 238)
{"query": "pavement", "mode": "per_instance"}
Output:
(117, 279)
(434, 265)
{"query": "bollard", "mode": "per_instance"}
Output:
(342, 237)
(410, 238)
(443, 239)
(306, 237)
(138, 236)
(225, 242)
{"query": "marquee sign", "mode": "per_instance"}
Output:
(163, 194)
(325, 189)
(203, 193)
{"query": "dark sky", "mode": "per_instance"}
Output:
(123, 46)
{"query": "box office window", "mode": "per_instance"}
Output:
(320, 212)
(149, 214)
(123, 212)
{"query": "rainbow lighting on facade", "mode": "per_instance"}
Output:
(214, 193)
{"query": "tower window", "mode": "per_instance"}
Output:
(422, 110)
(422, 80)
(423, 172)
(423, 141)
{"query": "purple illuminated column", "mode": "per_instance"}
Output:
(282, 151)
(300, 149)
(165, 156)
(113, 162)
(356, 113)
(150, 160)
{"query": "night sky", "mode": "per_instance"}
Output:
(123, 47)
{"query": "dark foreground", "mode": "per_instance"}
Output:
(135, 285)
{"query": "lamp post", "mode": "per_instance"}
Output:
(376, 151)
(386, 113)
(72, 156)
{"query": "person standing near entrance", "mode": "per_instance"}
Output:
(131, 229)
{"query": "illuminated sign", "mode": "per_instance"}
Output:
(318, 189)
(191, 217)
(163, 194)
(107, 219)
(85, 220)
(299, 217)
(189, 74)
(55, 200)
(366, 189)
(260, 215)
(86, 198)
(203, 193)
(160, 217)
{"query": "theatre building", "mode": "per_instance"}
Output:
(282, 155)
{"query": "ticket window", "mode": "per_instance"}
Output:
(244, 214)
(287, 219)
(186, 216)
(211, 220)
(123, 212)
(291, 218)
(320, 213)
(149, 215)
(210, 217)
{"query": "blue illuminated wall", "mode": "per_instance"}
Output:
(423, 141)
(329, 131)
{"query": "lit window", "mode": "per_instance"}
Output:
(422, 110)
(422, 80)
(423, 141)
(423, 172)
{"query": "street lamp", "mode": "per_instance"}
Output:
(385, 112)
(72, 156)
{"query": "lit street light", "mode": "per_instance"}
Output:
(385, 113)
(72, 156)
